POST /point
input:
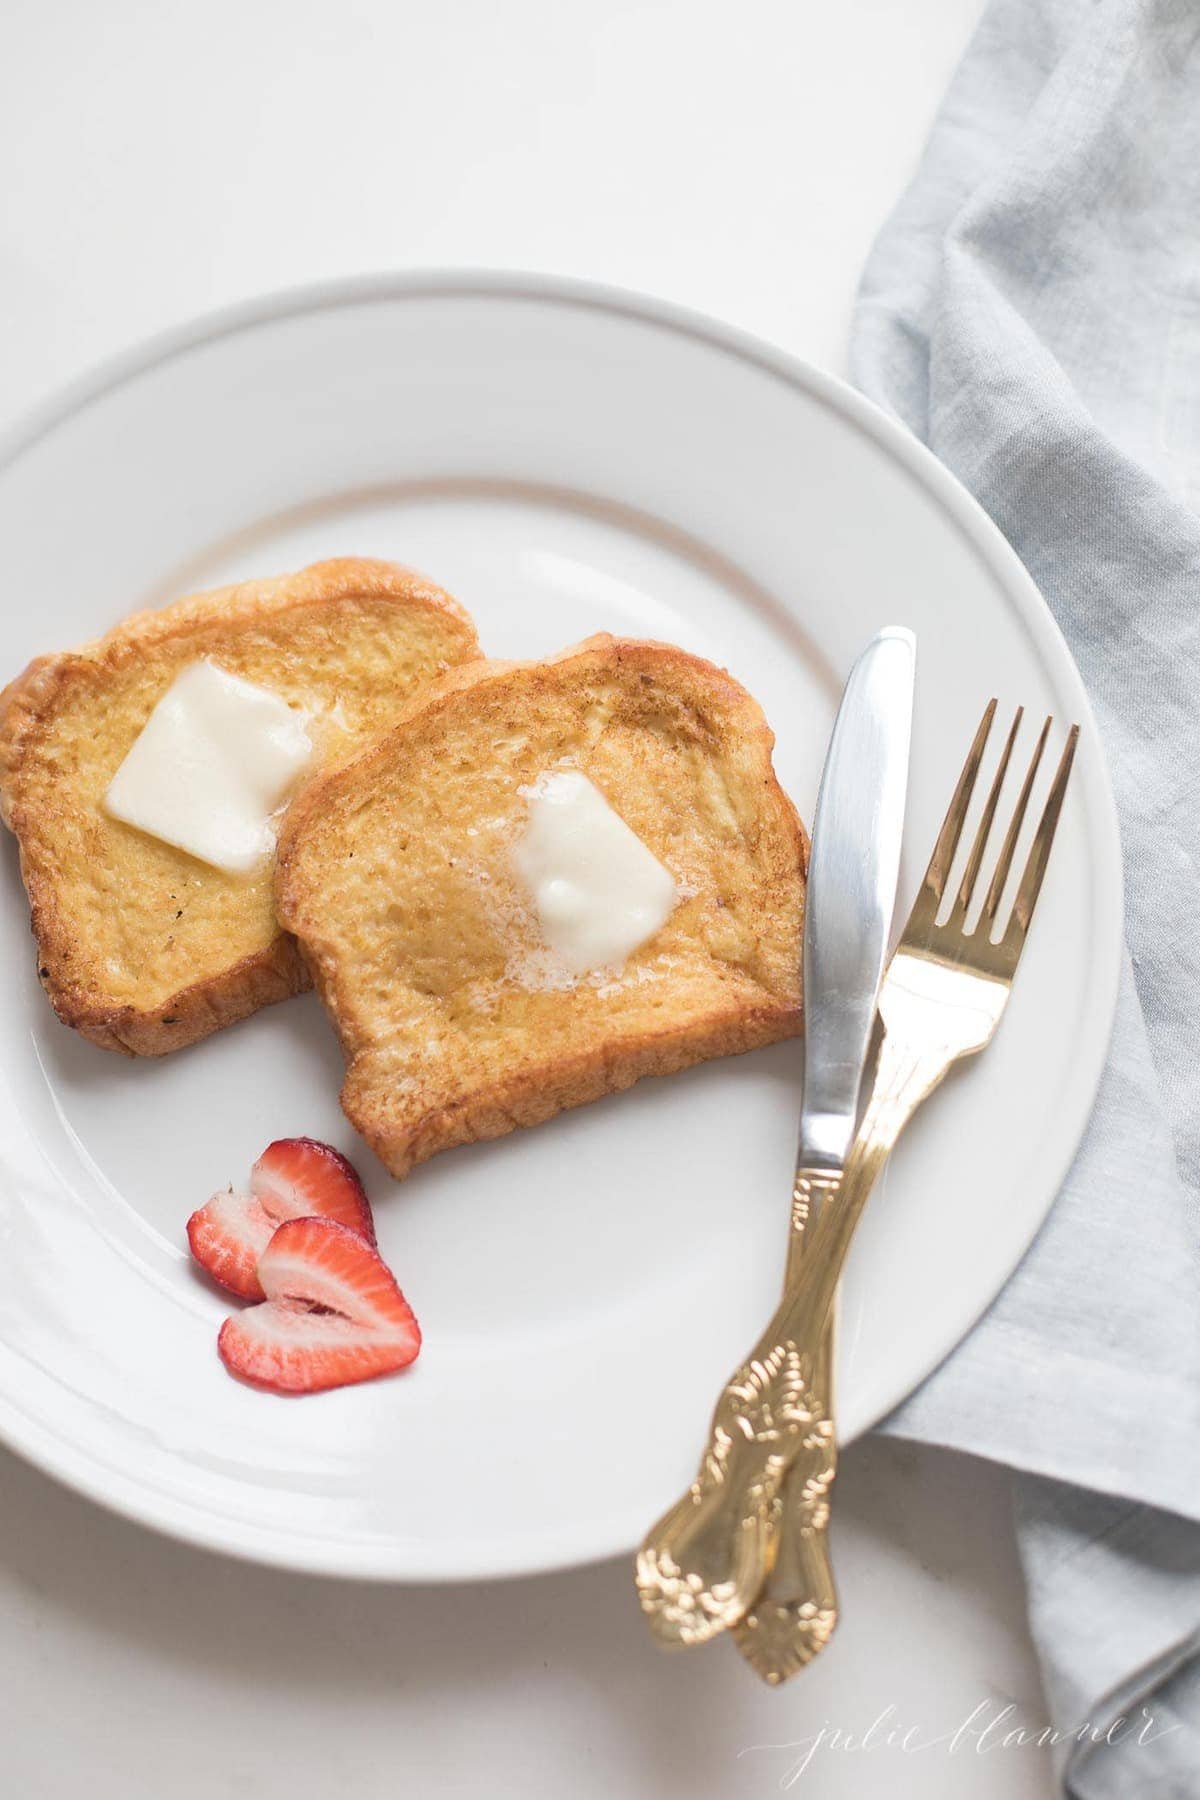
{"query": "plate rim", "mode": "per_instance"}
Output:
(176, 1517)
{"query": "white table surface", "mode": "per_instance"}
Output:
(164, 159)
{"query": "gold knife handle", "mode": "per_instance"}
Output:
(794, 1617)
(702, 1566)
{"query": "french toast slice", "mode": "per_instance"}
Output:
(396, 875)
(142, 947)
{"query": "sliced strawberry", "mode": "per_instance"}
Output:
(333, 1314)
(294, 1178)
(227, 1237)
(297, 1178)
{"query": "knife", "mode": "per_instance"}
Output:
(853, 871)
(852, 875)
(703, 1566)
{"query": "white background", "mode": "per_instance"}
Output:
(158, 159)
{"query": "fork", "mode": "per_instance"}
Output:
(703, 1566)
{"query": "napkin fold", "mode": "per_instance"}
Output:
(1032, 311)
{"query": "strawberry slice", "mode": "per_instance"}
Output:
(297, 1178)
(333, 1314)
(227, 1237)
(294, 1178)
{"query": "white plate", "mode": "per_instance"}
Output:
(565, 460)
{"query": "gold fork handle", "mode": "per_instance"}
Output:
(702, 1566)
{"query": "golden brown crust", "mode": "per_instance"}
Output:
(58, 828)
(259, 980)
(22, 704)
(507, 1105)
(741, 990)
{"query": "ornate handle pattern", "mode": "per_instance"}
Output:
(703, 1565)
(794, 1617)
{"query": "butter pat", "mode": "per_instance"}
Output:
(213, 763)
(598, 891)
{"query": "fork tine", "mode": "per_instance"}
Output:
(995, 893)
(1039, 855)
(971, 872)
(934, 884)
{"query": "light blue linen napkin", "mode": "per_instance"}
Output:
(1032, 310)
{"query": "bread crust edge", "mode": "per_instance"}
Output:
(539, 1094)
(193, 1013)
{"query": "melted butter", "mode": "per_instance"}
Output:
(598, 892)
(211, 767)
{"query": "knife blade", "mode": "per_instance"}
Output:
(853, 871)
